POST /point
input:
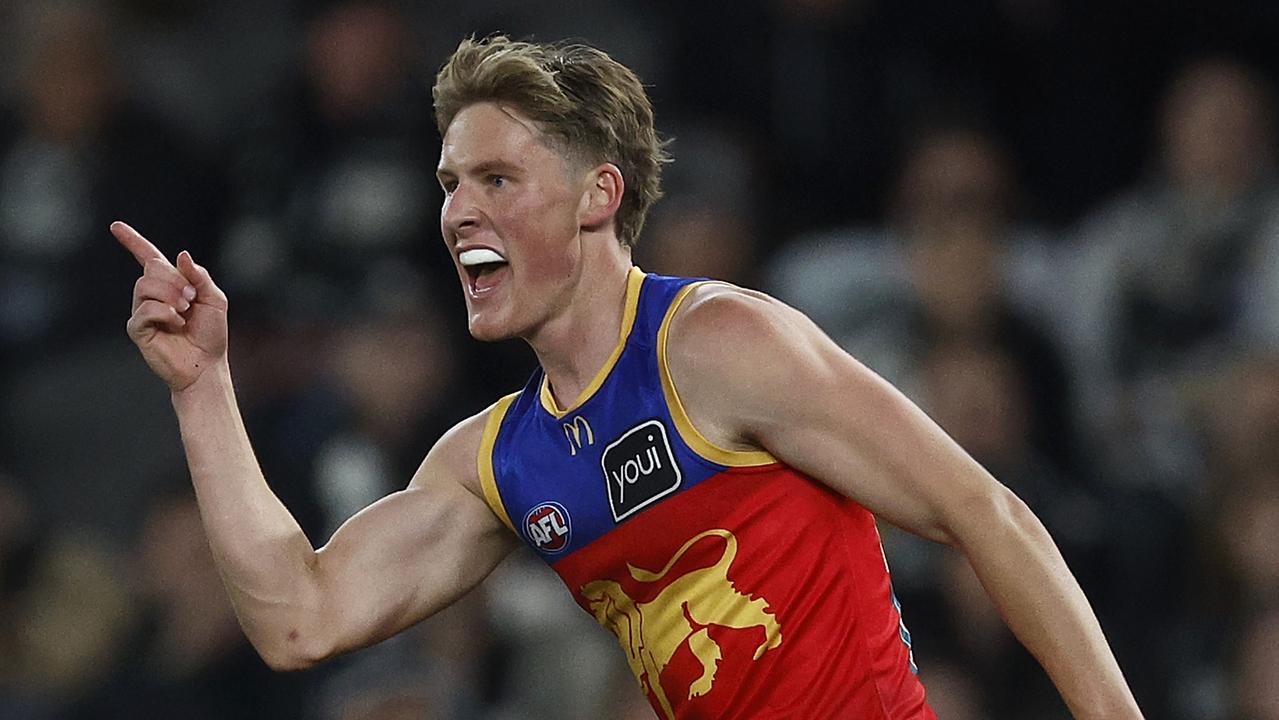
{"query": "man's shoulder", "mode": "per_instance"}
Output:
(739, 358)
(723, 335)
(718, 314)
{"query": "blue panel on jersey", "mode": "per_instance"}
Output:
(567, 481)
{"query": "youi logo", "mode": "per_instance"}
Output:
(639, 468)
(548, 528)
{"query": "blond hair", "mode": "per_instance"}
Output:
(592, 107)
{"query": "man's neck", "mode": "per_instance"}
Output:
(574, 346)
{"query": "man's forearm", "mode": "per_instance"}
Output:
(265, 559)
(1023, 571)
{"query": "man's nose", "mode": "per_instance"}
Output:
(461, 213)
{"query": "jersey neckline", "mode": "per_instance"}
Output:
(634, 280)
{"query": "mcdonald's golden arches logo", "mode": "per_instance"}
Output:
(578, 432)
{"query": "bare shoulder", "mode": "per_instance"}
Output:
(744, 362)
(729, 353)
(723, 329)
(716, 311)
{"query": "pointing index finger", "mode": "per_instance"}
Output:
(140, 247)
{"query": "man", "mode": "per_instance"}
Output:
(698, 462)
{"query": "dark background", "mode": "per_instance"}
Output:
(1053, 224)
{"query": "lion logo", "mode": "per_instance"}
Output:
(650, 633)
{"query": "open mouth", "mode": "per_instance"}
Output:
(483, 268)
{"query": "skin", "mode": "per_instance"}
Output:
(736, 356)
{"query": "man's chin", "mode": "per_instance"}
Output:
(485, 332)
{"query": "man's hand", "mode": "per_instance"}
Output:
(179, 314)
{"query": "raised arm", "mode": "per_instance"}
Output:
(753, 373)
(393, 564)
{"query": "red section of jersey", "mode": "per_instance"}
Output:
(756, 594)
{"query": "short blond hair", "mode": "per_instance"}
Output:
(593, 108)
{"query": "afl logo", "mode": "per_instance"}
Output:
(547, 527)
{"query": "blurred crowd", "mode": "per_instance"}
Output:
(1054, 225)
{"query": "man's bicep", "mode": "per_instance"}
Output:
(410, 554)
(859, 435)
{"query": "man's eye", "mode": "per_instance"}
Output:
(497, 180)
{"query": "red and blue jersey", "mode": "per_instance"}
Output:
(737, 586)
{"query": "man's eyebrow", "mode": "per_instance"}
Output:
(484, 167)
(487, 167)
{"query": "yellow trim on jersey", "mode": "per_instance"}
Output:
(484, 459)
(694, 438)
(634, 279)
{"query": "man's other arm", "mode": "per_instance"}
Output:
(754, 373)
(393, 564)
(388, 567)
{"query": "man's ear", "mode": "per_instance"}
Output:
(602, 197)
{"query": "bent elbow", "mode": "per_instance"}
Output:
(281, 663)
(994, 510)
(1017, 515)
(293, 652)
(1005, 506)
(284, 662)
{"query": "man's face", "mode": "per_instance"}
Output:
(510, 219)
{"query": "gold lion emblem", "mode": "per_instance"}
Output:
(651, 632)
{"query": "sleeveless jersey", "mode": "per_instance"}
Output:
(737, 586)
